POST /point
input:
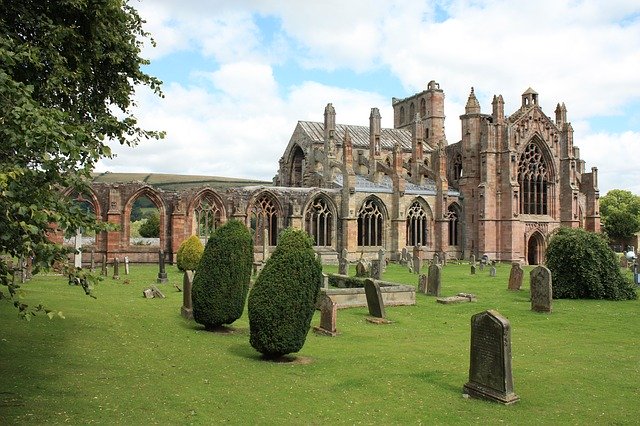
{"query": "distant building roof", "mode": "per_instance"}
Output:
(359, 135)
(175, 182)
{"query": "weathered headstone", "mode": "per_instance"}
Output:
(116, 269)
(126, 265)
(481, 266)
(328, 317)
(423, 282)
(436, 259)
(473, 259)
(473, 269)
(492, 271)
(162, 273)
(361, 269)
(444, 258)
(151, 292)
(104, 265)
(403, 259)
(417, 260)
(541, 289)
(376, 269)
(187, 306)
(325, 280)
(435, 282)
(382, 259)
(343, 263)
(374, 298)
(490, 375)
(515, 276)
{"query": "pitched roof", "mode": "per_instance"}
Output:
(175, 182)
(359, 135)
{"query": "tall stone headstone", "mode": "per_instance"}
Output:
(435, 280)
(541, 289)
(444, 258)
(328, 317)
(104, 265)
(162, 273)
(403, 258)
(382, 259)
(374, 298)
(473, 259)
(515, 276)
(481, 266)
(473, 269)
(492, 271)
(126, 265)
(423, 283)
(343, 263)
(417, 260)
(490, 375)
(116, 269)
(187, 306)
(376, 269)
(325, 280)
(361, 269)
(436, 259)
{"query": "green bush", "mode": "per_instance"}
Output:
(584, 267)
(151, 227)
(221, 281)
(281, 302)
(340, 281)
(189, 254)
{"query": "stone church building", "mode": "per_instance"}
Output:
(501, 190)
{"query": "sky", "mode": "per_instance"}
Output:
(238, 75)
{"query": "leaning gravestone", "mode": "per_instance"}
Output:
(376, 269)
(328, 316)
(116, 269)
(541, 289)
(435, 282)
(152, 292)
(423, 282)
(162, 273)
(444, 258)
(515, 276)
(374, 298)
(490, 375)
(187, 306)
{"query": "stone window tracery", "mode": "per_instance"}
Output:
(319, 222)
(370, 224)
(264, 215)
(423, 108)
(417, 225)
(206, 217)
(454, 228)
(533, 178)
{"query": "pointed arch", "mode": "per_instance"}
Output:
(151, 194)
(205, 214)
(371, 220)
(454, 212)
(296, 164)
(320, 219)
(536, 175)
(265, 213)
(418, 223)
(88, 201)
(535, 248)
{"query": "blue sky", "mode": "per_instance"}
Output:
(238, 75)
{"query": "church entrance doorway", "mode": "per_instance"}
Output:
(535, 249)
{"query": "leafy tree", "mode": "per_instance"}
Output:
(620, 212)
(282, 300)
(68, 70)
(189, 254)
(221, 281)
(584, 267)
(151, 226)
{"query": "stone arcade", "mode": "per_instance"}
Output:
(499, 191)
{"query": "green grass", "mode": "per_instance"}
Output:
(125, 359)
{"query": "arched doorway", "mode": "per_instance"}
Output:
(535, 249)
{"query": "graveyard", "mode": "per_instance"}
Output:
(123, 358)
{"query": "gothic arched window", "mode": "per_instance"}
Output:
(370, 224)
(423, 108)
(319, 222)
(206, 217)
(297, 165)
(401, 115)
(454, 228)
(533, 178)
(417, 225)
(457, 167)
(412, 112)
(264, 215)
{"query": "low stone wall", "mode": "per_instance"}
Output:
(393, 294)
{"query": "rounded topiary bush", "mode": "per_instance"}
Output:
(282, 300)
(584, 267)
(189, 254)
(221, 281)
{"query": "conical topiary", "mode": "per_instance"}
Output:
(282, 300)
(189, 254)
(221, 282)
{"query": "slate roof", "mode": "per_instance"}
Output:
(175, 182)
(362, 184)
(359, 135)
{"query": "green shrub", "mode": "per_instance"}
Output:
(151, 227)
(340, 281)
(281, 302)
(189, 254)
(584, 267)
(221, 281)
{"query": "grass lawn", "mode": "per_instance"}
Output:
(125, 359)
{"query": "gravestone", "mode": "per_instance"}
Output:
(435, 281)
(328, 317)
(126, 265)
(481, 266)
(423, 281)
(343, 263)
(187, 306)
(515, 276)
(374, 298)
(104, 265)
(436, 259)
(403, 259)
(162, 273)
(382, 260)
(541, 289)
(490, 375)
(458, 298)
(92, 265)
(473, 269)
(492, 271)
(417, 260)
(116, 269)
(325, 280)
(444, 258)
(376, 269)
(473, 259)
(361, 269)
(152, 292)
(409, 261)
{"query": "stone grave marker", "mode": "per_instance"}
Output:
(325, 280)
(116, 269)
(492, 271)
(382, 259)
(481, 266)
(490, 375)
(126, 265)
(77, 257)
(473, 269)
(376, 269)
(104, 265)
(162, 273)
(435, 281)
(152, 292)
(403, 259)
(417, 260)
(328, 317)
(541, 289)
(459, 298)
(436, 259)
(343, 263)
(361, 269)
(423, 280)
(444, 258)
(187, 305)
(515, 276)
(473, 259)
(374, 299)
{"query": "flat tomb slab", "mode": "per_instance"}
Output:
(459, 298)
(392, 295)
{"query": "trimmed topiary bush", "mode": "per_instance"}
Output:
(221, 281)
(584, 267)
(281, 302)
(189, 254)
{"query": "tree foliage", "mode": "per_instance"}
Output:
(150, 228)
(584, 267)
(282, 300)
(189, 254)
(620, 212)
(221, 281)
(68, 70)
